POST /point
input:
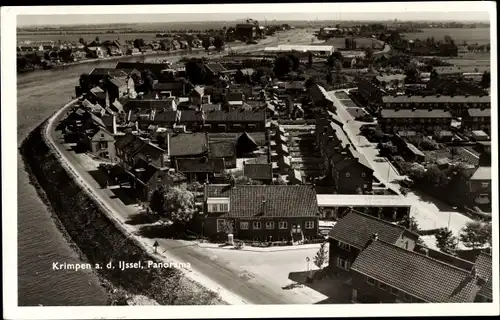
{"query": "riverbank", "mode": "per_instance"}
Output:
(98, 240)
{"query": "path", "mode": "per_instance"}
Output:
(430, 213)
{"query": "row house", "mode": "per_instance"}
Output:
(349, 170)
(356, 230)
(386, 273)
(204, 169)
(414, 119)
(146, 177)
(261, 212)
(320, 98)
(476, 184)
(476, 119)
(236, 121)
(262, 172)
(455, 104)
(130, 148)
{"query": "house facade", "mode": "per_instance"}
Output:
(476, 119)
(393, 120)
(261, 213)
(102, 144)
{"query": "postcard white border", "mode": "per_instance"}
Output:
(10, 153)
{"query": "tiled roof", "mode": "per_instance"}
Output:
(484, 265)
(391, 77)
(165, 117)
(477, 112)
(118, 82)
(235, 116)
(357, 228)
(246, 201)
(201, 165)
(198, 90)
(191, 116)
(206, 107)
(143, 171)
(149, 104)
(222, 149)
(132, 148)
(416, 274)
(107, 71)
(436, 99)
(418, 113)
(122, 141)
(215, 67)
(167, 86)
(259, 138)
(188, 144)
(234, 96)
(318, 93)
(258, 171)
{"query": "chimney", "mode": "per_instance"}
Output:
(374, 237)
(425, 251)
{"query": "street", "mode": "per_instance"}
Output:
(429, 213)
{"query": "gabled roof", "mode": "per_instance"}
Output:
(167, 86)
(258, 171)
(215, 67)
(247, 201)
(118, 82)
(191, 116)
(143, 171)
(221, 149)
(200, 165)
(235, 116)
(482, 173)
(188, 144)
(319, 93)
(417, 113)
(477, 112)
(122, 141)
(484, 266)
(165, 117)
(357, 228)
(436, 99)
(416, 274)
(198, 90)
(107, 71)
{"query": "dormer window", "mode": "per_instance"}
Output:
(218, 204)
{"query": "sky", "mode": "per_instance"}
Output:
(330, 11)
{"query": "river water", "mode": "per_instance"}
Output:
(40, 243)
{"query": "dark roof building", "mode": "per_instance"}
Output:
(222, 149)
(436, 99)
(257, 171)
(246, 201)
(200, 165)
(424, 278)
(187, 144)
(417, 113)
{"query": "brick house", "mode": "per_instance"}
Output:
(262, 172)
(131, 148)
(455, 104)
(117, 88)
(320, 98)
(476, 119)
(225, 150)
(102, 143)
(354, 231)
(201, 169)
(386, 273)
(172, 89)
(415, 119)
(193, 120)
(146, 177)
(261, 212)
(348, 169)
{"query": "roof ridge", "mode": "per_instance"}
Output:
(379, 219)
(423, 255)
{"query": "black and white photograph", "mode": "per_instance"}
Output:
(250, 160)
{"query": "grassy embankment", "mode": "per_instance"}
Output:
(97, 239)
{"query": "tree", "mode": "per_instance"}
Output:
(409, 223)
(434, 74)
(280, 181)
(369, 53)
(476, 234)
(139, 43)
(157, 201)
(310, 59)
(178, 205)
(81, 41)
(486, 80)
(97, 39)
(227, 227)
(445, 241)
(219, 43)
(295, 61)
(282, 66)
(243, 180)
(195, 70)
(321, 256)
(411, 73)
(329, 77)
(205, 43)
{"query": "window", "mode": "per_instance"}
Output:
(244, 225)
(296, 228)
(283, 225)
(485, 184)
(218, 207)
(344, 246)
(394, 291)
(363, 174)
(309, 224)
(347, 174)
(257, 225)
(269, 224)
(370, 281)
(382, 286)
(220, 225)
(407, 297)
(344, 264)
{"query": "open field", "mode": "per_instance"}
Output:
(479, 35)
(360, 42)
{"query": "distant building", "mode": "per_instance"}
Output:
(246, 31)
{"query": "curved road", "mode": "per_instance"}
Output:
(41, 93)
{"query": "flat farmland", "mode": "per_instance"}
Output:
(479, 35)
(65, 37)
